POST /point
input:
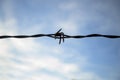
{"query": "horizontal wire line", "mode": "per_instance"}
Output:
(58, 37)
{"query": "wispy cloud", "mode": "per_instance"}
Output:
(31, 59)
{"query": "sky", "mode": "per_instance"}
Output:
(43, 58)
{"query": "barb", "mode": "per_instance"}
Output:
(59, 35)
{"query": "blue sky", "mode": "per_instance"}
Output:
(43, 58)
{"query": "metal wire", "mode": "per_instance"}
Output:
(58, 35)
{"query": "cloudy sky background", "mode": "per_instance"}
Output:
(43, 58)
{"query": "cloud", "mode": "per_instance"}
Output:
(19, 57)
(88, 76)
(44, 77)
(48, 63)
(28, 57)
(8, 23)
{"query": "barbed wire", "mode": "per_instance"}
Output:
(59, 35)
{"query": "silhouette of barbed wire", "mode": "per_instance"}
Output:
(59, 35)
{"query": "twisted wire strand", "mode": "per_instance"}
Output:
(93, 35)
(26, 36)
(53, 36)
(59, 35)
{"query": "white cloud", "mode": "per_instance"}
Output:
(43, 77)
(25, 45)
(31, 63)
(87, 76)
(36, 55)
(48, 63)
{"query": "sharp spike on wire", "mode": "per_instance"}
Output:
(59, 30)
(63, 36)
(59, 35)
(60, 39)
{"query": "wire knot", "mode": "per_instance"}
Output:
(59, 35)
